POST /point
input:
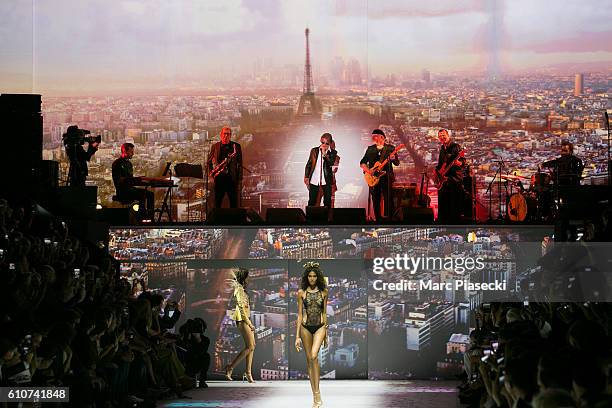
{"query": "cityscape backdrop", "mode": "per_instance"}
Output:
(376, 334)
(511, 79)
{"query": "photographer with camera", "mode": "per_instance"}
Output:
(74, 139)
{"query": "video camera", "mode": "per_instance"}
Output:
(75, 136)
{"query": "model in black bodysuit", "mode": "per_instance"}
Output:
(313, 308)
(312, 323)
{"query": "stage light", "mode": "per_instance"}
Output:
(135, 207)
(98, 206)
(472, 237)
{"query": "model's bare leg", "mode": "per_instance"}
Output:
(306, 337)
(317, 340)
(248, 346)
(250, 335)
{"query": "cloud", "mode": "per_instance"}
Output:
(146, 20)
(530, 24)
(580, 42)
(410, 8)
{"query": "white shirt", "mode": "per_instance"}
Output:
(317, 178)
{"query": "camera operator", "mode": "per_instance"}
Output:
(74, 139)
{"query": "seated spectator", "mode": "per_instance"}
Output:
(553, 398)
(588, 380)
(554, 371)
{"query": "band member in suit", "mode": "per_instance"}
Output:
(451, 195)
(319, 173)
(229, 179)
(379, 151)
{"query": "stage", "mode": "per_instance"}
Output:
(335, 393)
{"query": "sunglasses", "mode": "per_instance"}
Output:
(325, 143)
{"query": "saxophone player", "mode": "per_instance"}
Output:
(225, 166)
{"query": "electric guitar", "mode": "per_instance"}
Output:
(376, 173)
(440, 174)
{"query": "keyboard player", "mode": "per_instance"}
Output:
(124, 181)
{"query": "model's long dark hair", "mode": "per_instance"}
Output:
(241, 275)
(313, 267)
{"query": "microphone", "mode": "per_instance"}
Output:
(607, 120)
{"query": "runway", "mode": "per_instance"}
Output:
(335, 394)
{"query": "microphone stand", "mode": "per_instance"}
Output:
(490, 190)
(609, 162)
(240, 187)
(499, 191)
(207, 193)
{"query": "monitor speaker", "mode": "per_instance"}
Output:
(317, 215)
(417, 215)
(348, 216)
(285, 216)
(228, 216)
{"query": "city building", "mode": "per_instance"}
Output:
(579, 84)
(346, 356)
(426, 322)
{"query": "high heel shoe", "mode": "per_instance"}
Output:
(247, 377)
(317, 402)
(228, 373)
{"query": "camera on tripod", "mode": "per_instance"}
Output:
(75, 136)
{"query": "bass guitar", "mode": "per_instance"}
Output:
(376, 171)
(440, 174)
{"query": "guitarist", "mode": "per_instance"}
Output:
(378, 152)
(229, 180)
(451, 193)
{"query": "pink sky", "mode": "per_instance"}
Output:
(62, 44)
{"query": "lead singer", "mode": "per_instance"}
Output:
(319, 172)
(312, 323)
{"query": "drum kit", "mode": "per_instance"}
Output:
(534, 204)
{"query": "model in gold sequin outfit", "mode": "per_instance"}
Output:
(241, 315)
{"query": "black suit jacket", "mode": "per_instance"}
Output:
(234, 166)
(455, 173)
(371, 157)
(328, 161)
(567, 169)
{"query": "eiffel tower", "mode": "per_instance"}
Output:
(309, 106)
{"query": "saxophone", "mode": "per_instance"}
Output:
(223, 164)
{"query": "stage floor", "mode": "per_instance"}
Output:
(335, 393)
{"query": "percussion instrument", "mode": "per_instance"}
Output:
(521, 206)
(540, 181)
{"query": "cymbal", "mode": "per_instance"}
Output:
(513, 177)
